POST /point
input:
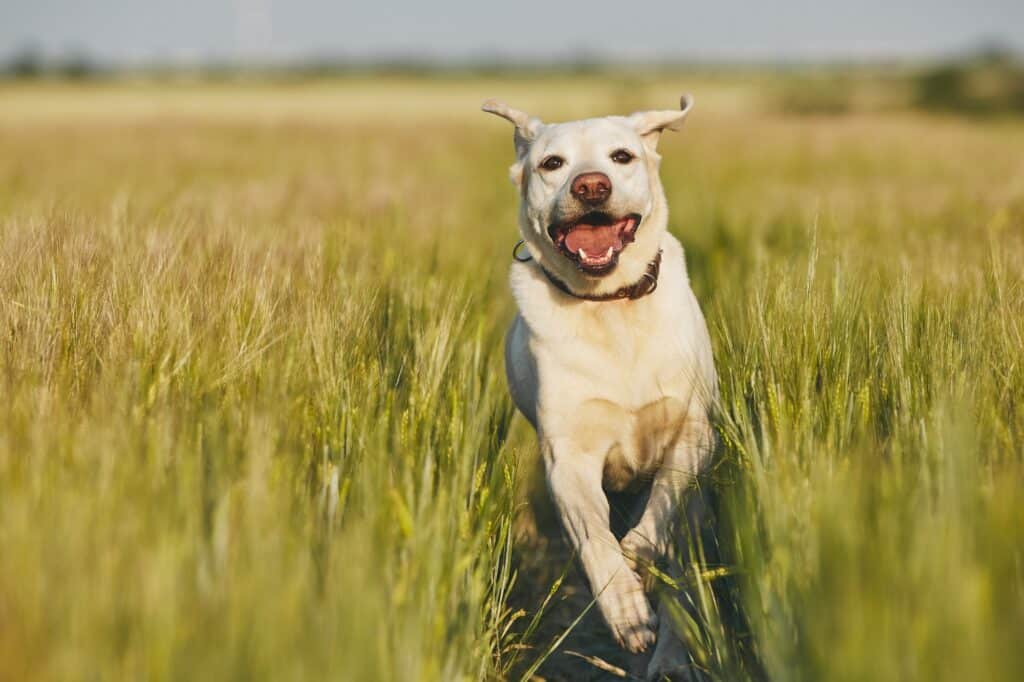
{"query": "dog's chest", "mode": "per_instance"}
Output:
(637, 440)
(620, 389)
(633, 355)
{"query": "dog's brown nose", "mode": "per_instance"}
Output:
(591, 188)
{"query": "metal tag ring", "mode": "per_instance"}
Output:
(653, 280)
(515, 252)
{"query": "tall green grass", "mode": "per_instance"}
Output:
(880, 441)
(254, 421)
(869, 345)
(240, 445)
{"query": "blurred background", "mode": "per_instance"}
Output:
(952, 56)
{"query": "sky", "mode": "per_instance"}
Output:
(140, 31)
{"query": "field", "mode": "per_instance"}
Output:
(253, 419)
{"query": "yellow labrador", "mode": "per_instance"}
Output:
(609, 357)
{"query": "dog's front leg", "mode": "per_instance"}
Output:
(574, 479)
(649, 540)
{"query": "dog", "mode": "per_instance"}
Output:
(609, 357)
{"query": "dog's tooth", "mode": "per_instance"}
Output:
(611, 250)
(583, 254)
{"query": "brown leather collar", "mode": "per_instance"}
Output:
(646, 285)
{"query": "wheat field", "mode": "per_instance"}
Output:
(253, 417)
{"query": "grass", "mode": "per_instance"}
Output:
(254, 420)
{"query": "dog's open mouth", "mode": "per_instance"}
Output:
(595, 240)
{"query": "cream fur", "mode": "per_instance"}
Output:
(618, 391)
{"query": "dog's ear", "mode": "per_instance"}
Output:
(527, 128)
(650, 124)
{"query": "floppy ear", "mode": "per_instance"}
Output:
(650, 124)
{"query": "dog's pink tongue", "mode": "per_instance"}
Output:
(594, 240)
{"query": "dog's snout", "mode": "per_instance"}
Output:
(591, 188)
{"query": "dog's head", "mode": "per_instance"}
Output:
(593, 210)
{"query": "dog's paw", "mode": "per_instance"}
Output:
(627, 612)
(639, 551)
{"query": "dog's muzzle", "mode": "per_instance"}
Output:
(595, 240)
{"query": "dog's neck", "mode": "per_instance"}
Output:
(647, 283)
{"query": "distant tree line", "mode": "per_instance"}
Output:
(989, 81)
(30, 62)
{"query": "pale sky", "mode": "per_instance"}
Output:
(269, 30)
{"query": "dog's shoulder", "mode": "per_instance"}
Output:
(683, 312)
(544, 309)
(673, 260)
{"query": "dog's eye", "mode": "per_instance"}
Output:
(621, 156)
(552, 163)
